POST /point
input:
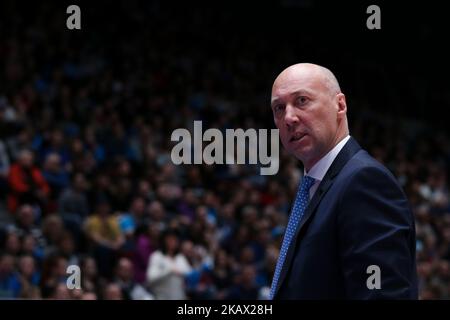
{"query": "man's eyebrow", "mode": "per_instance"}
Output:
(293, 94)
(274, 101)
(300, 92)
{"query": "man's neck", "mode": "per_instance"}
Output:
(313, 163)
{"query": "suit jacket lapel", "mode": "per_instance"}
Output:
(347, 152)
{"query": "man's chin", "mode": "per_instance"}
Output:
(300, 148)
(300, 153)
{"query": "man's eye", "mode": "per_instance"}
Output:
(302, 100)
(278, 108)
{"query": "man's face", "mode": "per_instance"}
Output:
(26, 266)
(125, 270)
(26, 159)
(138, 206)
(113, 292)
(6, 264)
(26, 216)
(306, 113)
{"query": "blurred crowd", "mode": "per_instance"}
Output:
(86, 176)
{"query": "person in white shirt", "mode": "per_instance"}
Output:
(167, 269)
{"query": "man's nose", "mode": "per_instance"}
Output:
(291, 117)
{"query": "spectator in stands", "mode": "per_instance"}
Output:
(19, 142)
(29, 278)
(112, 291)
(26, 183)
(222, 274)
(167, 269)
(52, 230)
(67, 248)
(56, 144)
(135, 217)
(132, 222)
(73, 205)
(56, 176)
(124, 278)
(245, 287)
(90, 281)
(158, 216)
(199, 282)
(147, 242)
(60, 292)
(26, 224)
(12, 243)
(103, 230)
(30, 247)
(10, 286)
(54, 274)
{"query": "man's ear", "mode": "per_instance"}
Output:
(341, 103)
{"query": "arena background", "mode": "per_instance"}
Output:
(94, 110)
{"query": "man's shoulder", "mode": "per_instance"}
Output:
(364, 180)
(362, 164)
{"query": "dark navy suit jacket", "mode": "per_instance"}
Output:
(358, 217)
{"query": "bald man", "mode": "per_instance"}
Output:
(350, 233)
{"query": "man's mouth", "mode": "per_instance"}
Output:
(297, 137)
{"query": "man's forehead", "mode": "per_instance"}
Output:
(294, 84)
(305, 76)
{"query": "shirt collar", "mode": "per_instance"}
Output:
(319, 170)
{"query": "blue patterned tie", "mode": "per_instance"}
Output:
(301, 201)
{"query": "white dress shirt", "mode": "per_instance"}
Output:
(319, 170)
